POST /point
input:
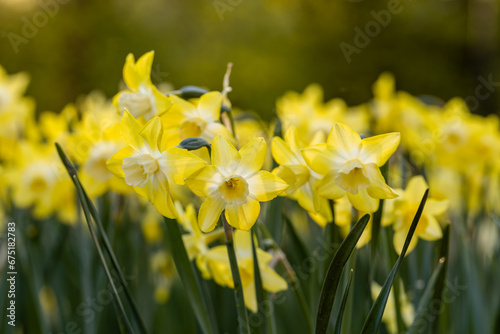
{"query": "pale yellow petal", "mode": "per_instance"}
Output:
(115, 163)
(180, 164)
(250, 297)
(209, 105)
(378, 188)
(435, 207)
(294, 175)
(252, 156)
(327, 187)
(130, 129)
(319, 158)
(432, 230)
(399, 241)
(271, 281)
(415, 189)
(265, 186)
(345, 140)
(151, 133)
(224, 156)
(162, 199)
(243, 216)
(210, 212)
(281, 152)
(378, 149)
(363, 202)
(205, 181)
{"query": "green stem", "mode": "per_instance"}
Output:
(238, 287)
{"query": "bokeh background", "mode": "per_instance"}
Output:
(437, 48)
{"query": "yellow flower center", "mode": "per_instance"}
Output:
(192, 127)
(234, 190)
(139, 168)
(38, 184)
(352, 177)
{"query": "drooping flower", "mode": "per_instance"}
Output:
(220, 269)
(148, 166)
(351, 166)
(405, 208)
(234, 183)
(143, 99)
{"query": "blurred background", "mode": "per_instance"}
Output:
(71, 47)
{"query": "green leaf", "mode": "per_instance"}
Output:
(423, 306)
(259, 291)
(243, 326)
(334, 273)
(372, 322)
(87, 204)
(340, 316)
(186, 273)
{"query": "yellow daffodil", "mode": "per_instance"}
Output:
(389, 318)
(405, 209)
(351, 166)
(234, 183)
(220, 269)
(185, 119)
(299, 176)
(148, 166)
(142, 99)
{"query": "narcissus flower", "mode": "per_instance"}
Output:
(148, 166)
(142, 99)
(220, 269)
(299, 176)
(234, 182)
(351, 166)
(185, 119)
(405, 209)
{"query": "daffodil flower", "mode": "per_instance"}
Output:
(218, 264)
(142, 99)
(299, 176)
(405, 208)
(185, 119)
(351, 166)
(234, 183)
(148, 166)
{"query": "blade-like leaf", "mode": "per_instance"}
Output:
(374, 318)
(340, 316)
(102, 236)
(186, 273)
(334, 273)
(259, 291)
(426, 298)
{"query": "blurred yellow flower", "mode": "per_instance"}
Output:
(405, 208)
(351, 166)
(220, 269)
(142, 99)
(185, 119)
(234, 182)
(147, 165)
(389, 317)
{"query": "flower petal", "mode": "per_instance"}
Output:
(209, 105)
(327, 187)
(363, 202)
(243, 216)
(378, 149)
(282, 153)
(345, 140)
(432, 229)
(294, 175)
(378, 188)
(130, 129)
(415, 189)
(210, 212)
(271, 281)
(224, 156)
(265, 186)
(161, 198)
(205, 181)
(252, 156)
(151, 133)
(319, 158)
(180, 164)
(250, 297)
(399, 241)
(115, 163)
(135, 74)
(435, 207)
